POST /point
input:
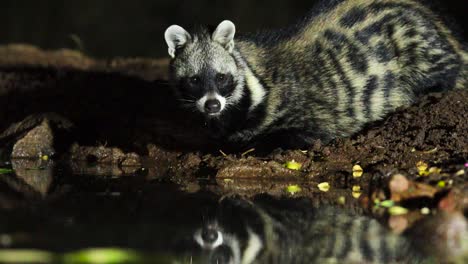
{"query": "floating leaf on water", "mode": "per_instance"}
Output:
(228, 180)
(357, 171)
(434, 170)
(397, 210)
(342, 200)
(5, 171)
(356, 194)
(293, 189)
(387, 203)
(460, 173)
(45, 157)
(293, 165)
(25, 256)
(425, 211)
(101, 255)
(356, 191)
(324, 186)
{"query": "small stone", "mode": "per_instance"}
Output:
(36, 143)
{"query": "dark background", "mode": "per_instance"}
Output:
(109, 28)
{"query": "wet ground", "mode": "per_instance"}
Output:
(97, 155)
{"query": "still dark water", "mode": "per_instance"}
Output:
(57, 215)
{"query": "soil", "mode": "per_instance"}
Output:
(121, 113)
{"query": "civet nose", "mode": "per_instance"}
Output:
(209, 235)
(212, 106)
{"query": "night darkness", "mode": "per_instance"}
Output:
(109, 28)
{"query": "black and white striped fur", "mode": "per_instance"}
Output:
(294, 232)
(351, 63)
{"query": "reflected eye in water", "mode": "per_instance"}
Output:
(209, 237)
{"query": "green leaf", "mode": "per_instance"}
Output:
(387, 203)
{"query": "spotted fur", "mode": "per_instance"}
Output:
(351, 63)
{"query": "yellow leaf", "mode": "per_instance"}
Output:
(422, 168)
(341, 200)
(324, 186)
(293, 189)
(356, 191)
(356, 194)
(441, 184)
(357, 171)
(434, 170)
(293, 165)
(423, 173)
(397, 210)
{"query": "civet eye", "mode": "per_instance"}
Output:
(220, 77)
(194, 80)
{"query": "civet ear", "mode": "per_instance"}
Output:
(176, 37)
(224, 35)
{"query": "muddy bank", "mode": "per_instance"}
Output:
(121, 112)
